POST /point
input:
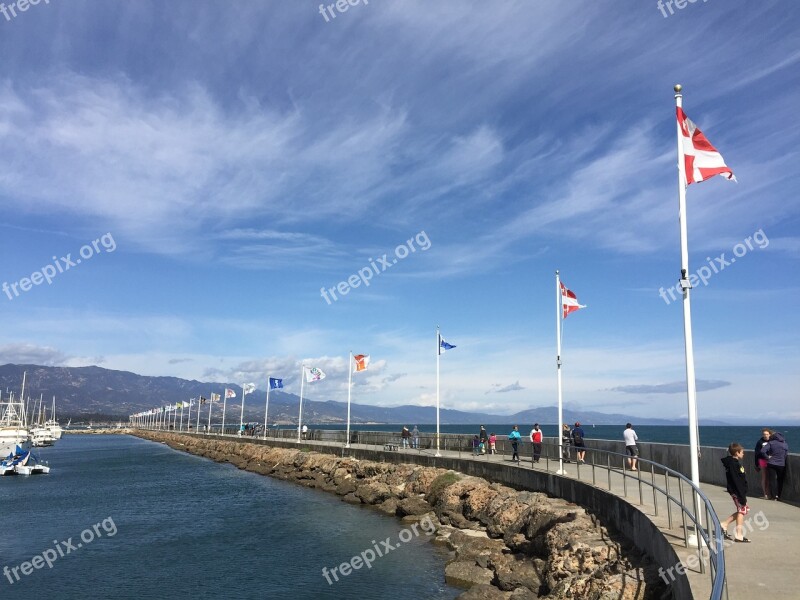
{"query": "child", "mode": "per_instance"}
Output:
(492, 443)
(476, 445)
(737, 488)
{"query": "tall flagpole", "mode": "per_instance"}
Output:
(558, 370)
(266, 407)
(438, 354)
(197, 425)
(189, 416)
(180, 427)
(241, 417)
(210, 408)
(691, 390)
(224, 406)
(300, 417)
(349, 391)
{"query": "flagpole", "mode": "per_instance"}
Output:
(210, 408)
(438, 354)
(266, 407)
(197, 425)
(691, 390)
(300, 417)
(241, 417)
(224, 406)
(349, 391)
(180, 427)
(189, 417)
(558, 371)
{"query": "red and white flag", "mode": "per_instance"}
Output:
(569, 302)
(230, 393)
(701, 160)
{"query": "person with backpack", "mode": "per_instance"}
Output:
(579, 442)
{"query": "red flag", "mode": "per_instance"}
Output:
(569, 302)
(701, 159)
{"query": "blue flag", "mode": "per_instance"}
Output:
(444, 345)
(275, 383)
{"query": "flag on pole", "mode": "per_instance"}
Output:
(361, 362)
(314, 374)
(701, 160)
(569, 302)
(443, 346)
(248, 388)
(215, 397)
(204, 400)
(229, 393)
(275, 383)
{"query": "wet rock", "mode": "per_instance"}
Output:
(465, 574)
(413, 506)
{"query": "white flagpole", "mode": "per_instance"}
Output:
(558, 371)
(300, 417)
(438, 353)
(691, 390)
(266, 407)
(224, 405)
(241, 417)
(180, 427)
(349, 390)
(210, 407)
(189, 417)
(197, 425)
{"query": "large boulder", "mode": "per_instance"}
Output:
(465, 574)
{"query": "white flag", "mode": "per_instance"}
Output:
(248, 388)
(314, 374)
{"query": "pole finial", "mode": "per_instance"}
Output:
(678, 88)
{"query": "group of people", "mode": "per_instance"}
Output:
(411, 437)
(570, 438)
(770, 461)
(484, 442)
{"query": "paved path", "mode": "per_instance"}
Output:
(764, 568)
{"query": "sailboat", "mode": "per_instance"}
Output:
(56, 431)
(13, 431)
(41, 435)
(24, 462)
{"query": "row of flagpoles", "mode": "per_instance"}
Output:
(698, 161)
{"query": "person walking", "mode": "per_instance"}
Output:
(579, 441)
(736, 482)
(536, 440)
(492, 443)
(631, 449)
(762, 460)
(415, 437)
(566, 443)
(476, 445)
(405, 435)
(484, 438)
(776, 463)
(514, 437)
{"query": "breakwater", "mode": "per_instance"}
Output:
(507, 543)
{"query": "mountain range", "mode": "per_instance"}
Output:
(83, 392)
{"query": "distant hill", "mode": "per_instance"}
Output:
(85, 391)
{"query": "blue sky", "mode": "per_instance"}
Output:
(243, 155)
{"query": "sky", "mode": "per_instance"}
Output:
(250, 186)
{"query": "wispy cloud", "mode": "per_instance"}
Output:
(675, 387)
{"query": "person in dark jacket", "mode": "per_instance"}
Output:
(579, 441)
(737, 488)
(761, 459)
(777, 449)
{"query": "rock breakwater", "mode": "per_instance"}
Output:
(507, 543)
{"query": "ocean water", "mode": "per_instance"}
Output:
(120, 517)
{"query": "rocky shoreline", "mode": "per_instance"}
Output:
(508, 544)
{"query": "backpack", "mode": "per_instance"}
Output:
(576, 435)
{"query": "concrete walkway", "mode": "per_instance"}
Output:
(763, 568)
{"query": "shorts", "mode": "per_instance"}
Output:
(742, 509)
(632, 450)
(762, 463)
